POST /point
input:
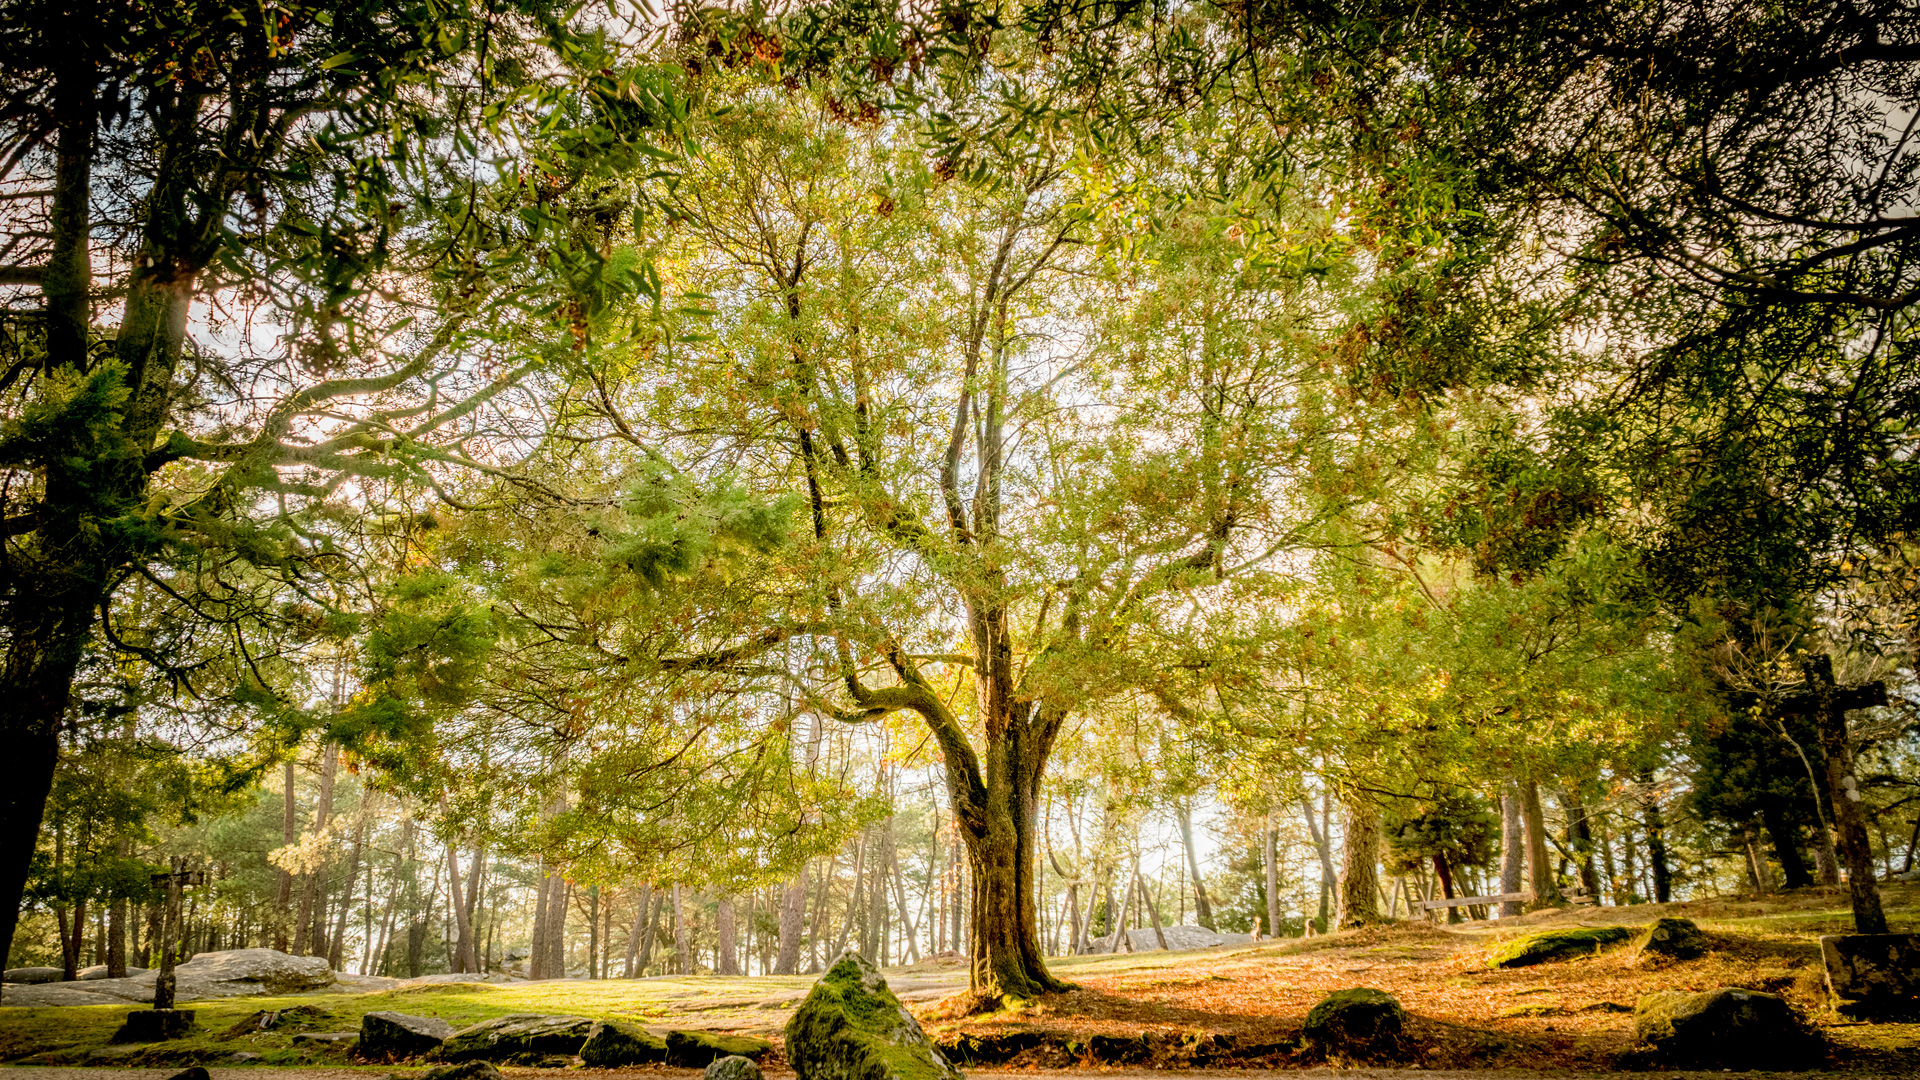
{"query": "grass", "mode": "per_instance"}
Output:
(1564, 1014)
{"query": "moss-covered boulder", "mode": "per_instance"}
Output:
(851, 1027)
(699, 1049)
(468, 1070)
(385, 1036)
(612, 1045)
(504, 1037)
(1726, 1028)
(1550, 945)
(1670, 939)
(733, 1067)
(1360, 1024)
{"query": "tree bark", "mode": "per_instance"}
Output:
(1512, 848)
(289, 832)
(1656, 839)
(1202, 908)
(1843, 791)
(682, 934)
(728, 959)
(793, 912)
(303, 927)
(1580, 840)
(1360, 856)
(641, 910)
(1153, 910)
(1541, 879)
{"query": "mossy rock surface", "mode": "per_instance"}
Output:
(733, 1067)
(1670, 939)
(699, 1049)
(612, 1045)
(1359, 1024)
(1725, 1028)
(851, 1027)
(522, 1033)
(1550, 945)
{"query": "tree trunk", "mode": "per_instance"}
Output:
(1270, 870)
(1786, 846)
(1359, 872)
(1202, 908)
(1580, 841)
(303, 926)
(1546, 890)
(1512, 848)
(793, 913)
(634, 967)
(1153, 910)
(463, 934)
(1843, 791)
(1323, 847)
(1656, 839)
(289, 832)
(682, 937)
(1445, 873)
(728, 958)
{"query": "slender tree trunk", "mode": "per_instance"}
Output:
(1546, 890)
(1270, 867)
(682, 936)
(303, 926)
(1360, 875)
(1580, 841)
(463, 934)
(1656, 839)
(908, 931)
(335, 944)
(1323, 847)
(289, 832)
(1153, 909)
(1202, 908)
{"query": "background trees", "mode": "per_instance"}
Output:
(709, 497)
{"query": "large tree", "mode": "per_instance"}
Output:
(248, 250)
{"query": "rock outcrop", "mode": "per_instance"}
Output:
(699, 1049)
(1670, 939)
(31, 976)
(1550, 945)
(386, 1036)
(1873, 976)
(851, 1027)
(1726, 1028)
(522, 1033)
(1361, 1024)
(613, 1045)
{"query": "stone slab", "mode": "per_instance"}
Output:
(1873, 974)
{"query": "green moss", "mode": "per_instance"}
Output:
(851, 1027)
(1549, 945)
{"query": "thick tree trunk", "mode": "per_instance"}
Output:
(1843, 791)
(793, 912)
(728, 958)
(1786, 846)
(1202, 907)
(1541, 878)
(1580, 840)
(1360, 856)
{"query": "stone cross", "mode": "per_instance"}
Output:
(173, 883)
(1828, 704)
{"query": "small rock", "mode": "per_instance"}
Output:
(387, 1035)
(32, 975)
(851, 1027)
(1873, 976)
(698, 1049)
(1361, 1024)
(541, 1061)
(326, 1036)
(1551, 945)
(612, 1045)
(154, 1025)
(1670, 939)
(466, 1070)
(1727, 1028)
(242, 1057)
(194, 1073)
(733, 1067)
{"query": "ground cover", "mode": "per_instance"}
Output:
(1244, 1004)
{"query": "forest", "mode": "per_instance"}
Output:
(590, 490)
